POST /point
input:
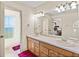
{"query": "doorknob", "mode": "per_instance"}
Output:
(1, 36)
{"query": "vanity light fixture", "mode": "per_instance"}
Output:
(42, 13)
(39, 14)
(62, 8)
(67, 6)
(73, 5)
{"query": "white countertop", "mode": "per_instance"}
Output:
(57, 42)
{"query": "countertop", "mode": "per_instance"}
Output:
(57, 41)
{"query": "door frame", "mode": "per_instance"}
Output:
(14, 9)
(1, 29)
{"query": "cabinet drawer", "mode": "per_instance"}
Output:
(67, 53)
(44, 50)
(36, 43)
(48, 46)
(43, 55)
(75, 55)
(36, 49)
(53, 53)
(64, 52)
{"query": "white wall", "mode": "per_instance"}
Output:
(26, 14)
(47, 6)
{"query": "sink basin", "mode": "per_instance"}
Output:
(67, 43)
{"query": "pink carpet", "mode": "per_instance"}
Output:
(26, 53)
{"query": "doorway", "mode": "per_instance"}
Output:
(12, 32)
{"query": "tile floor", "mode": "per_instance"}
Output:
(9, 52)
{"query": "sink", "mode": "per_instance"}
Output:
(67, 43)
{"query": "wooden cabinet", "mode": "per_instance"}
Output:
(31, 44)
(36, 51)
(63, 52)
(36, 47)
(43, 49)
(43, 54)
(75, 55)
(66, 53)
(53, 53)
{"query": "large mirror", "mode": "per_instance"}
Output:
(57, 23)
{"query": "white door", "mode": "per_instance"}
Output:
(12, 28)
(1, 30)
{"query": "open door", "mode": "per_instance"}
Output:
(1, 30)
(12, 32)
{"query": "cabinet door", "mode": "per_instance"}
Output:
(54, 54)
(36, 43)
(36, 51)
(75, 55)
(44, 50)
(36, 47)
(65, 52)
(31, 44)
(43, 54)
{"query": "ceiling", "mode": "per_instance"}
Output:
(32, 4)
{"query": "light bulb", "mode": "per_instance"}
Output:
(67, 6)
(62, 8)
(39, 14)
(74, 30)
(57, 9)
(73, 5)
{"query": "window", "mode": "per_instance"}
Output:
(8, 26)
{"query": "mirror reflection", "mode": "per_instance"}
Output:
(51, 26)
(61, 21)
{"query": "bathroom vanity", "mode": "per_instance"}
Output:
(43, 47)
(56, 34)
